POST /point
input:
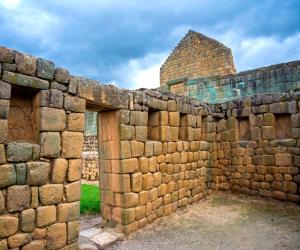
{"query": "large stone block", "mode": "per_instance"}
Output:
(147, 181)
(6, 55)
(72, 191)
(56, 237)
(74, 104)
(74, 170)
(75, 122)
(59, 171)
(25, 81)
(73, 231)
(141, 133)
(52, 119)
(8, 175)
(8, 225)
(37, 173)
(123, 216)
(51, 194)
(68, 211)
(110, 150)
(26, 64)
(72, 144)
(268, 132)
(120, 183)
(127, 200)
(126, 132)
(137, 148)
(35, 245)
(28, 220)
(61, 75)
(161, 133)
(125, 166)
(18, 198)
(295, 120)
(18, 240)
(136, 182)
(45, 69)
(174, 119)
(19, 152)
(138, 118)
(283, 160)
(50, 144)
(45, 216)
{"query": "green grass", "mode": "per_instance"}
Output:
(90, 199)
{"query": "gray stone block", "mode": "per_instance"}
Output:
(19, 152)
(45, 69)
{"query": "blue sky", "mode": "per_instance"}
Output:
(124, 42)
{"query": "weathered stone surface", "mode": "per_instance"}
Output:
(4, 108)
(74, 104)
(74, 171)
(19, 152)
(21, 173)
(73, 231)
(147, 181)
(56, 98)
(18, 240)
(120, 182)
(25, 64)
(35, 245)
(37, 173)
(59, 172)
(59, 86)
(8, 225)
(8, 175)
(72, 144)
(56, 237)
(5, 90)
(52, 119)
(6, 55)
(50, 144)
(124, 216)
(136, 182)
(2, 154)
(127, 200)
(72, 191)
(39, 233)
(61, 75)
(68, 212)
(45, 69)
(45, 216)
(28, 220)
(3, 245)
(26, 81)
(283, 160)
(141, 133)
(75, 122)
(51, 194)
(137, 148)
(2, 203)
(125, 166)
(18, 198)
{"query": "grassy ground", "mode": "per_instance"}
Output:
(90, 199)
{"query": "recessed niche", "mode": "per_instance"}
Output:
(244, 129)
(283, 126)
(22, 125)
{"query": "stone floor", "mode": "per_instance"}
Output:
(223, 221)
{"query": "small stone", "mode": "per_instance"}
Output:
(3, 245)
(39, 233)
(51, 194)
(18, 240)
(72, 191)
(46, 215)
(61, 75)
(8, 226)
(147, 181)
(3, 130)
(28, 220)
(8, 175)
(37, 173)
(74, 171)
(2, 154)
(21, 173)
(45, 69)
(18, 198)
(136, 182)
(60, 167)
(2, 203)
(56, 237)
(73, 231)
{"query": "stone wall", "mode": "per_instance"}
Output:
(158, 152)
(90, 158)
(195, 56)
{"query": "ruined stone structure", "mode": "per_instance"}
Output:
(202, 68)
(158, 151)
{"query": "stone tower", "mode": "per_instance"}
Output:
(196, 56)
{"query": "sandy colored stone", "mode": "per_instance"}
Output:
(18, 198)
(147, 181)
(74, 170)
(51, 119)
(35, 245)
(123, 216)
(73, 231)
(74, 104)
(120, 183)
(2, 154)
(126, 132)
(143, 164)
(136, 182)
(268, 132)
(141, 133)
(28, 220)
(144, 197)
(39, 233)
(72, 144)
(18, 240)
(8, 225)
(60, 167)
(75, 122)
(34, 196)
(45, 216)
(51, 194)
(61, 75)
(283, 160)
(37, 173)
(72, 191)
(8, 175)
(68, 211)
(127, 200)
(125, 166)
(137, 148)
(157, 178)
(56, 237)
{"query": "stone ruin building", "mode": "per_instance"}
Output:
(159, 150)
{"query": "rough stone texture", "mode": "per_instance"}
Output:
(59, 172)
(61, 75)
(37, 173)
(28, 220)
(56, 236)
(45, 216)
(8, 226)
(18, 198)
(19, 152)
(8, 175)
(72, 191)
(45, 69)
(51, 119)
(51, 194)
(50, 144)
(72, 143)
(18, 240)
(25, 64)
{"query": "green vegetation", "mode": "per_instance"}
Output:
(90, 199)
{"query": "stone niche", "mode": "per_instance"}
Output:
(22, 125)
(244, 129)
(283, 126)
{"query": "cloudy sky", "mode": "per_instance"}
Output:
(124, 42)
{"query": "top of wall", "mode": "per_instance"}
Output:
(197, 55)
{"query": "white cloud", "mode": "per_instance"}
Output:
(141, 72)
(10, 4)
